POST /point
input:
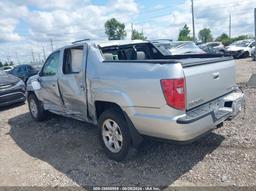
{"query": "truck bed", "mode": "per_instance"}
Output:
(205, 78)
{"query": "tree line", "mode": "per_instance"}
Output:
(205, 36)
(6, 64)
(115, 30)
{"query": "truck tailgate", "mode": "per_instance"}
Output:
(207, 79)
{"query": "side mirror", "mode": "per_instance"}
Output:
(36, 85)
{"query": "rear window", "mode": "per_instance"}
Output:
(131, 52)
(73, 58)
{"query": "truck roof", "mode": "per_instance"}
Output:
(118, 42)
(105, 43)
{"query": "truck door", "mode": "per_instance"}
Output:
(72, 81)
(49, 92)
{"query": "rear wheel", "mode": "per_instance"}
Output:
(114, 134)
(246, 54)
(36, 108)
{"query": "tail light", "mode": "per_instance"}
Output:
(174, 92)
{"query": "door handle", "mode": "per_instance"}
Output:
(82, 87)
(216, 75)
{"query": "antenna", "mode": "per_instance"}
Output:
(86, 39)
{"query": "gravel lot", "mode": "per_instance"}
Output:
(65, 152)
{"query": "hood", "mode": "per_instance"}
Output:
(7, 79)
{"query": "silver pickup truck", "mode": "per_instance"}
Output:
(133, 89)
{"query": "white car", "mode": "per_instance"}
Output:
(178, 47)
(213, 47)
(241, 48)
(6, 68)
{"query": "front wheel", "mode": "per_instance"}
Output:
(114, 134)
(36, 108)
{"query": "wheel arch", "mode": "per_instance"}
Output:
(101, 106)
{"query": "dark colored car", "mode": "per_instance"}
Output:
(23, 71)
(12, 89)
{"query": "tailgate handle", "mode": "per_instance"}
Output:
(216, 75)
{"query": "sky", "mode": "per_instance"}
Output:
(28, 26)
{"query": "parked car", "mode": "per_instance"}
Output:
(241, 48)
(23, 71)
(254, 53)
(178, 47)
(12, 89)
(6, 68)
(213, 48)
(132, 89)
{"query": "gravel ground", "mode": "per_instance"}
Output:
(65, 152)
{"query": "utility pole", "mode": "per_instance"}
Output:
(44, 54)
(229, 31)
(8, 59)
(39, 58)
(193, 20)
(131, 30)
(51, 44)
(17, 58)
(33, 57)
(255, 23)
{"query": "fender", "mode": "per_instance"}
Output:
(111, 95)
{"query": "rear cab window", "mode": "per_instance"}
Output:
(72, 60)
(141, 51)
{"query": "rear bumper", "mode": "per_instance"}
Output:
(194, 123)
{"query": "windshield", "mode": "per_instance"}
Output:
(243, 43)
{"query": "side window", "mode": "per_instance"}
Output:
(130, 53)
(143, 49)
(51, 65)
(73, 58)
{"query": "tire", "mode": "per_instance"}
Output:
(246, 55)
(36, 109)
(120, 147)
(222, 51)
